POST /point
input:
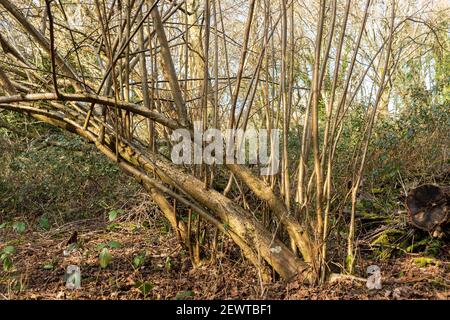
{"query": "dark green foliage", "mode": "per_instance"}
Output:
(50, 175)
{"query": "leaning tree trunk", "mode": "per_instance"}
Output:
(256, 242)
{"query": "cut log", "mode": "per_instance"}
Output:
(428, 206)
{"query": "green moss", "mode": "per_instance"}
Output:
(383, 239)
(423, 262)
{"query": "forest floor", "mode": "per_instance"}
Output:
(52, 184)
(39, 268)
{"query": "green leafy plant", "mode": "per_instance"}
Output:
(5, 257)
(144, 287)
(48, 266)
(19, 227)
(105, 255)
(183, 295)
(111, 226)
(104, 258)
(433, 248)
(113, 214)
(168, 264)
(114, 244)
(111, 245)
(100, 246)
(139, 260)
(44, 223)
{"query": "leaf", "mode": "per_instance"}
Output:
(112, 215)
(144, 287)
(48, 266)
(44, 223)
(100, 246)
(114, 244)
(184, 294)
(111, 226)
(8, 250)
(139, 260)
(105, 258)
(7, 264)
(168, 264)
(19, 227)
(3, 225)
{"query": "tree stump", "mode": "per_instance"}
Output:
(428, 207)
